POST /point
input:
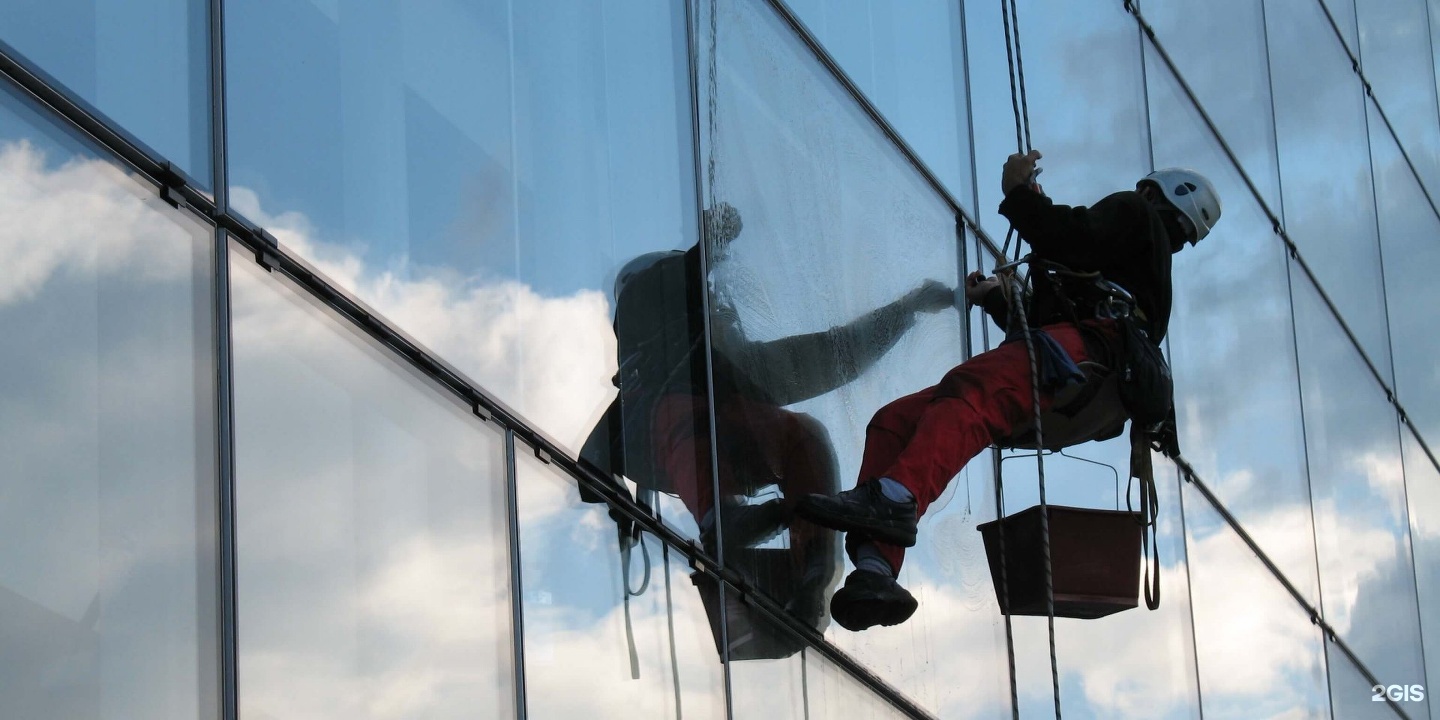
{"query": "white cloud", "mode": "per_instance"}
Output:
(40, 238)
(551, 358)
(1256, 647)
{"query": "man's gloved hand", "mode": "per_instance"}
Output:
(932, 296)
(1020, 170)
(724, 223)
(977, 286)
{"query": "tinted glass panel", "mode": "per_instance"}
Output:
(1259, 655)
(1423, 487)
(610, 633)
(1329, 203)
(817, 321)
(1396, 49)
(107, 603)
(146, 65)
(1085, 93)
(478, 172)
(834, 694)
(909, 59)
(371, 525)
(1353, 695)
(1362, 526)
(1407, 232)
(1240, 429)
(1233, 84)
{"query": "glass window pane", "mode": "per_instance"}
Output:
(1259, 656)
(1233, 84)
(1329, 203)
(1089, 125)
(908, 58)
(1395, 49)
(1353, 695)
(1362, 525)
(812, 333)
(478, 172)
(371, 525)
(107, 425)
(1433, 12)
(1407, 232)
(609, 634)
(806, 687)
(1423, 486)
(145, 65)
(1344, 13)
(1242, 431)
(833, 694)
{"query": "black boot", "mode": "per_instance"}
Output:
(869, 599)
(865, 510)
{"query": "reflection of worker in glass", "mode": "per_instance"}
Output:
(917, 444)
(663, 440)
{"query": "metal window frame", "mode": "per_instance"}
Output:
(176, 188)
(172, 185)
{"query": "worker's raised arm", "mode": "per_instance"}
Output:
(1077, 236)
(800, 367)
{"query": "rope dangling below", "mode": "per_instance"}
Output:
(1018, 306)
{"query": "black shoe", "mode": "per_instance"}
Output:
(869, 599)
(864, 510)
(745, 525)
(750, 525)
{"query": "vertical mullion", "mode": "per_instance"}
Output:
(701, 180)
(517, 609)
(227, 590)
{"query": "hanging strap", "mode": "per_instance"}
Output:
(670, 626)
(627, 546)
(1142, 470)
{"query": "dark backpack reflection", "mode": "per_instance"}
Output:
(657, 431)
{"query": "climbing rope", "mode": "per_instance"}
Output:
(1005, 587)
(1020, 105)
(1019, 102)
(1019, 314)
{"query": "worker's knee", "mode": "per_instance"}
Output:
(898, 417)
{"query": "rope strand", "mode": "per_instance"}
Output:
(1019, 103)
(1021, 305)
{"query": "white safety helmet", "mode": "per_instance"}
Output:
(1192, 195)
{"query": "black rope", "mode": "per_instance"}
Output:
(1020, 105)
(1044, 506)
(998, 464)
(1005, 585)
(1016, 64)
(1020, 74)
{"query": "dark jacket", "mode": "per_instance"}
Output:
(1122, 237)
(660, 322)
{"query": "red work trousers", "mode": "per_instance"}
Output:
(924, 439)
(761, 445)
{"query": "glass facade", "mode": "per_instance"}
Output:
(491, 384)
